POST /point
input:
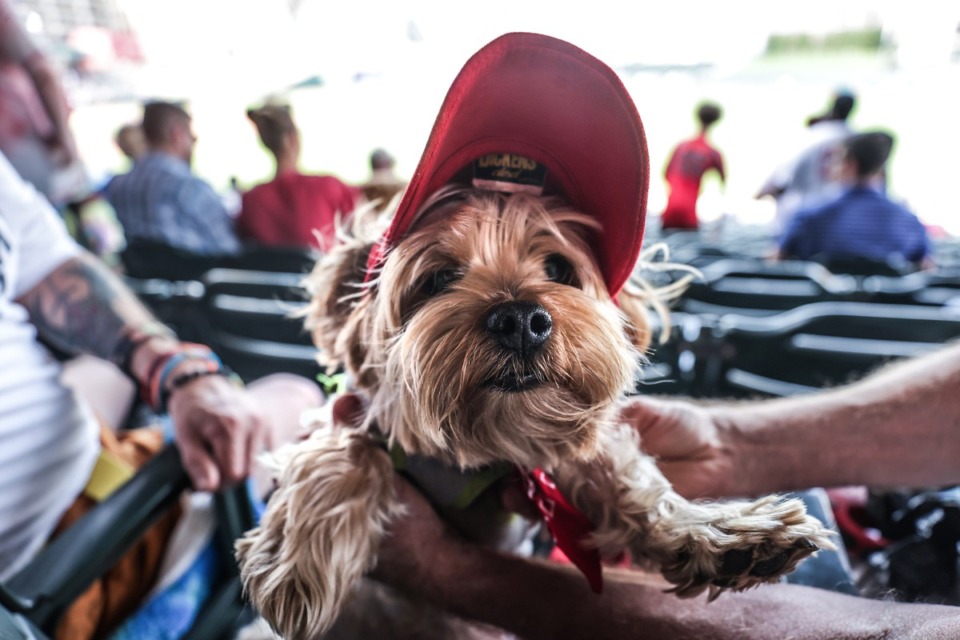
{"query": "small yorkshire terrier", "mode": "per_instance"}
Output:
(491, 325)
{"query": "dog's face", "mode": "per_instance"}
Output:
(489, 334)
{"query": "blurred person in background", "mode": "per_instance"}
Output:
(35, 133)
(862, 223)
(688, 162)
(810, 178)
(384, 184)
(131, 141)
(167, 212)
(294, 209)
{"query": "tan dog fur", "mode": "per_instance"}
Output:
(419, 352)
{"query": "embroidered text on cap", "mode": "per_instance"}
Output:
(510, 173)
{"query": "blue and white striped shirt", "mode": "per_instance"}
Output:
(862, 223)
(161, 200)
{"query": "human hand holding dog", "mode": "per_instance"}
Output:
(219, 429)
(419, 544)
(687, 443)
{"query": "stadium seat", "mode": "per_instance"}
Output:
(756, 287)
(250, 322)
(857, 266)
(669, 367)
(146, 259)
(280, 259)
(176, 303)
(922, 288)
(33, 600)
(817, 345)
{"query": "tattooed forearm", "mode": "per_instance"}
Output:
(83, 308)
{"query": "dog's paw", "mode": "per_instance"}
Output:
(746, 546)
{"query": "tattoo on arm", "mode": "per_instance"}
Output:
(81, 307)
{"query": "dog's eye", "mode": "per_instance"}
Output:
(438, 282)
(560, 270)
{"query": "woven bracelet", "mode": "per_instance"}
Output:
(153, 387)
(185, 378)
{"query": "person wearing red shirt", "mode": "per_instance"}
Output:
(293, 209)
(689, 161)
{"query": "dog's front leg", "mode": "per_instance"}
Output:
(696, 545)
(320, 532)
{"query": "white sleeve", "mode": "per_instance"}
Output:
(39, 238)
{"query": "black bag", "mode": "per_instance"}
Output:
(922, 563)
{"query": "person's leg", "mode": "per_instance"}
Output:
(284, 398)
(105, 388)
(117, 593)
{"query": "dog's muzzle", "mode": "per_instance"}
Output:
(520, 327)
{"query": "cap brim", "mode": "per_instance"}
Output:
(545, 99)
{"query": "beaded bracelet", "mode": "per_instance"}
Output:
(154, 389)
(185, 378)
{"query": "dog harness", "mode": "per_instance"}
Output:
(450, 487)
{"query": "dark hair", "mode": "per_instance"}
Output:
(708, 113)
(159, 118)
(380, 159)
(869, 151)
(274, 123)
(842, 106)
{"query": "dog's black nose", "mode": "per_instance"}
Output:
(521, 327)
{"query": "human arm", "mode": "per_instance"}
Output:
(898, 427)
(719, 166)
(798, 239)
(672, 163)
(777, 182)
(50, 89)
(537, 599)
(923, 254)
(17, 46)
(80, 307)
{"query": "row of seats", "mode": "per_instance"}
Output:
(795, 351)
(250, 318)
(749, 328)
(755, 287)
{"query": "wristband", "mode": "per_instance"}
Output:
(154, 388)
(185, 378)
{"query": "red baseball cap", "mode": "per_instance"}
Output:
(541, 102)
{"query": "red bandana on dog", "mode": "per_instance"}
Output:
(570, 528)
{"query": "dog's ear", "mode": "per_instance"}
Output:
(334, 315)
(635, 306)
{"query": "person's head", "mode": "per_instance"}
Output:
(839, 110)
(707, 114)
(380, 160)
(865, 155)
(131, 141)
(167, 128)
(276, 128)
(842, 106)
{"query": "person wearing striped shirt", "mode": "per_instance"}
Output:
(863, 222)
(161, 201)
